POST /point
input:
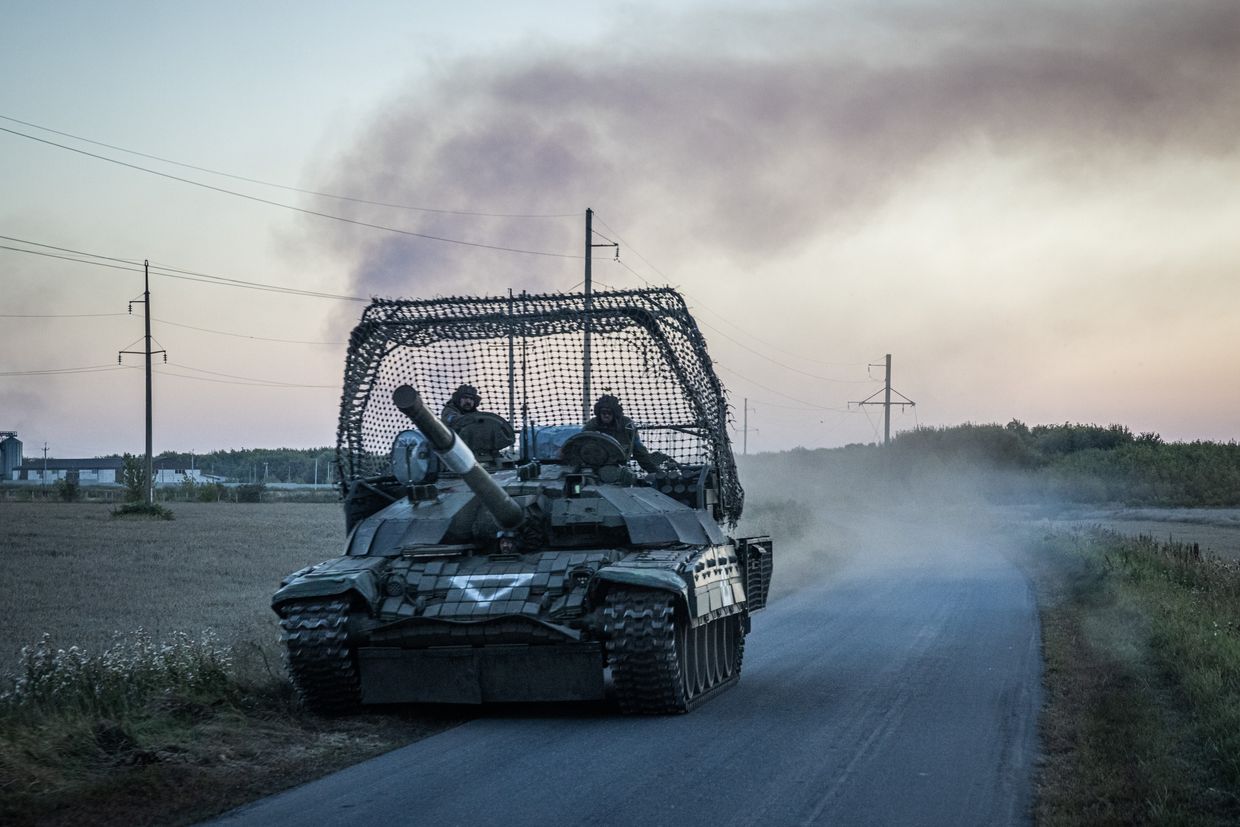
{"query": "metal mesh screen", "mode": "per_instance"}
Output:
(525, 355)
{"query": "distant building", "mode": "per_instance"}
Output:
(99, 471)
(177, 476)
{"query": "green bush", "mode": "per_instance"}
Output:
(153, 511)
(67, 491)
(211, 492)
(251, 492)
(133, 475)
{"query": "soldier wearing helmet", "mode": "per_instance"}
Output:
(465, 399)
(609, 419)
(485, 433)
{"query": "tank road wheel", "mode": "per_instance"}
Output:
(320, 657)
(714, 634)
(702, 657)
(659, 662)
(729, 656)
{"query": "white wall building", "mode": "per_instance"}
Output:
(98, 471)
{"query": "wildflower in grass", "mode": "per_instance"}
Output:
(126, 674)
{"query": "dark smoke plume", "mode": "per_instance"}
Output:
(750, 134)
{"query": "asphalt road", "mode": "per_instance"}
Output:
(898, 696)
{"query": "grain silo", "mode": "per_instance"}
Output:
(10, 454)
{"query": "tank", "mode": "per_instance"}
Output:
(554, 569)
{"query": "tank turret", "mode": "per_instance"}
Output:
(457, 457)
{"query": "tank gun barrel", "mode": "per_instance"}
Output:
(457, 457)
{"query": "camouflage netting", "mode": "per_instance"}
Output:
(645, 349)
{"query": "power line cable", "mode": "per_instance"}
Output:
(303, 210)
(242, 380)
(60, 371)
(56, 315)
(779, 392)
(165, 321)
(244, 335)
(628, 247)
(284, 186)
(781, 364)
(640, 277)
(751, 350)
(716, 313)
(632, 249)
(71, 258)
(190, 275)
(172, 272)
(134, 262)
(799, 408)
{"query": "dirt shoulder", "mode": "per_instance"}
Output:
(188, 763)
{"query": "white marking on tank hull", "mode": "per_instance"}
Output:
(498, 586)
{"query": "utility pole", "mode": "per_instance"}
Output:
(886, 403)
(589, 303)
(585, 362)
(43, 479)
(145, 301)
(745, 429)
(512, 367)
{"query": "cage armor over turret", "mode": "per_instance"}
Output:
(524, 574)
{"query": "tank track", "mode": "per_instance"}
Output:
(659, 663)
(319, 655)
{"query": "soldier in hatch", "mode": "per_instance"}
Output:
(609, 419)
(464, 399)
(485, 433)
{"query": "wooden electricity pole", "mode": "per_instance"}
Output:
(585, 361)
(145, 301)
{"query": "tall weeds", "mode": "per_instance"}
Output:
(122, 678)
(1193, 602)
(1142, 644)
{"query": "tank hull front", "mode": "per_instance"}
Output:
(498, 673)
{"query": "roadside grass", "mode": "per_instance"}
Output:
(151, 689)
(164, 733)
(1142, 659)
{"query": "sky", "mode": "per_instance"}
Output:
(1032, 206)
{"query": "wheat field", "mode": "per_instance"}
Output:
(73, 571)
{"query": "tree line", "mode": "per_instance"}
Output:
(1069, 462)
(258, 466)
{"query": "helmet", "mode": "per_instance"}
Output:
(608, 401)
(464, 391)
